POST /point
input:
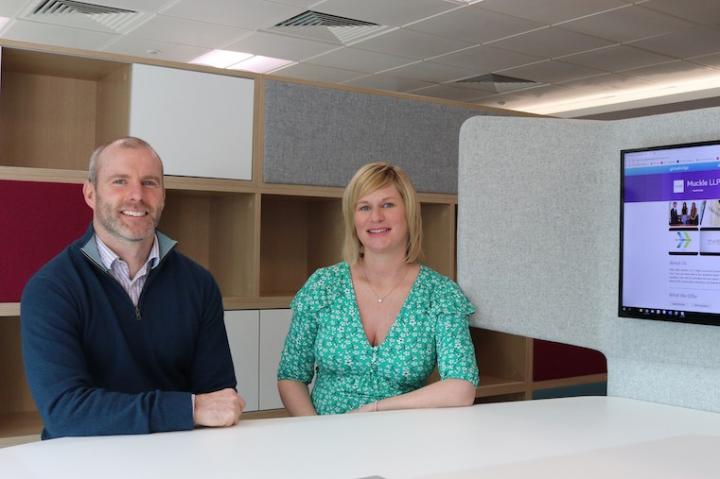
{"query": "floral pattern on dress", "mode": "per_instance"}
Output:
(327, 340)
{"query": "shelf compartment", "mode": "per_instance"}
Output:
(502, 358)
(439, 237)
(552, 360)
(44, 219)
(216, 230)
(55, 109)
(298, 235)
(18, 414)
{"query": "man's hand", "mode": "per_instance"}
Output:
(219, 408)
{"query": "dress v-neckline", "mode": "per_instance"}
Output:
(358, 315)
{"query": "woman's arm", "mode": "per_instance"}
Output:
(296, 398)
(446, 393)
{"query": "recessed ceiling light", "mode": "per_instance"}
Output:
(221, 58)
(260, 64)
(153, 51)
(3, 21)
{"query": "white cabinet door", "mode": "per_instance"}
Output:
(274, 325)
(243, 333)
(201, 124)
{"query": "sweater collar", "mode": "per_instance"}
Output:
(90, 249)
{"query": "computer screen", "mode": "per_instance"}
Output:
(670, 233)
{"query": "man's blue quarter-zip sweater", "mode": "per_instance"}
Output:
(96, 364)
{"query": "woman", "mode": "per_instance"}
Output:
(376, 325)
(693, 214)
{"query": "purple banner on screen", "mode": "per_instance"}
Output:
(696, 185)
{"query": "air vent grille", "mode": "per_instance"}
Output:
(57, 7)
(310, 18)
(498, 83)
(323, 26)
(86, 15)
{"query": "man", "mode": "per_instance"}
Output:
(674, 217)
(121, 333)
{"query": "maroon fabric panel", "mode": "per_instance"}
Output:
(557, 360)
(37, 220)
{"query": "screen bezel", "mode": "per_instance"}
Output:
(693, 317)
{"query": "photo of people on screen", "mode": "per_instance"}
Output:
(710, 213)
(688, 215)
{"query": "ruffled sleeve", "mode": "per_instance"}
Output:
(455, 350)
(297, 361)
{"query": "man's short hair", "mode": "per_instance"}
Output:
(129, 142)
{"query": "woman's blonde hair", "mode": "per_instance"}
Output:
(370, 178)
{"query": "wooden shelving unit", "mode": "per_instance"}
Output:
(260, 241)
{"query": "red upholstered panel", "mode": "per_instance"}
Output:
(38, 220)
(557, 360)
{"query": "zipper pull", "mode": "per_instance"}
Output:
(137, 313)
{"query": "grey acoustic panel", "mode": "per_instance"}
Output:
(538, 238)
(532, 197)
(321, 136)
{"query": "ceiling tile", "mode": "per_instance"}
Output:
(669, 73)
(387, 82)
(306, 71)
(34, 32)
(712, 60)
(298, 3)
(627, 24)
(450, 93)
(188, 32)
(410, 44)
(474, 25)
(701, 11)
(551, 42)
(10, 8)
(359, 60)
(608, 86)
(393, 13)
(551, 11)
(164, 50)
(280, 46)
(511, 100)
(137, 5)
(617, 58)
(431, 72)
(485, 59)
(684, 43)
(248, 14)
(551, 72)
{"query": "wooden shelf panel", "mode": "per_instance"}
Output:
(20, 424)
(48, 175)
(9, 310)
(572, 381)
(265, 302)
(496, 386)
(268, 414)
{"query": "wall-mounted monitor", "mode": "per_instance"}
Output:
(670, 233)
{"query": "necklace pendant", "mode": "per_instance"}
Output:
(380, 300)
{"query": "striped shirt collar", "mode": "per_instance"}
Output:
(109, 257)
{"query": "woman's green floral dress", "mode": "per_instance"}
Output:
(326, 332)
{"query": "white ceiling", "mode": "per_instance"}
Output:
(584, 56)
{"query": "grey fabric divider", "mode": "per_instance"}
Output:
(321, 136)
(538, 239)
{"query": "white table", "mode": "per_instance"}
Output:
(583, 437)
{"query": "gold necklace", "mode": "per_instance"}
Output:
(379, 298)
